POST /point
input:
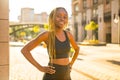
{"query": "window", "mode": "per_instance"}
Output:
(76, 8)
(84, 4)
(76, 18)
(95, 12)
(95, 1)
(84, 16)
(107, 1)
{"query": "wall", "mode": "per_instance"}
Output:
(4, 40)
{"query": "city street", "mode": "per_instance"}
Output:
(21, 69)
(93, 63)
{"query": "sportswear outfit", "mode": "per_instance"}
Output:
(62, 51)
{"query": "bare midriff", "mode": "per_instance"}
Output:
(62, 61)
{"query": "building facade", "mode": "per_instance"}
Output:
(28, 16)
(103, 12)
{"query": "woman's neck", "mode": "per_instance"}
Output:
(59, 31)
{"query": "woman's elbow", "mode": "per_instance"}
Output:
(77, 49)
(23, 50)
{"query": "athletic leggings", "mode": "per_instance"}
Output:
(62, 73)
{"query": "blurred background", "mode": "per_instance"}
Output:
(95, 25)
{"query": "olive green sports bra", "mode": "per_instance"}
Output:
(62, 48)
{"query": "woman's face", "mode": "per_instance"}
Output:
(61, 18)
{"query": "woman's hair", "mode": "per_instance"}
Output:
(51, 37)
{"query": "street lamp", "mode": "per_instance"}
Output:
(117, 21)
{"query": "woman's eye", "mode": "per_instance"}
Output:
(65, 17)
(59, 16)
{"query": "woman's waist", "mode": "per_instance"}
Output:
(61, 61)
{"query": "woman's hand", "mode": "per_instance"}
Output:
(70, 66)
(48, 69)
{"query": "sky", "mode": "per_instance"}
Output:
(38, 5)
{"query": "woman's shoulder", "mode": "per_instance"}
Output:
(45, 33)
(68, 33)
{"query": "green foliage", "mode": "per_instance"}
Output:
(91, 26)
(71, 50)
(36, 29)
(46, 26)
(22, 33)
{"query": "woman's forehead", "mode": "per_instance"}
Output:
(61, 11)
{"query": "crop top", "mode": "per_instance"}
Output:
(62, 48)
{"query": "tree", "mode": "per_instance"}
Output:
(36, 29)
(92, 26)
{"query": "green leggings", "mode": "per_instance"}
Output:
(62, 73)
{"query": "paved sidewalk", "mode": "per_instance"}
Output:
(99, 62)
(94, 63)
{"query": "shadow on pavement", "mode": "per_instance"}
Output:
(114, 62)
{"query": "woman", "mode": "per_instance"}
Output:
(58, 43)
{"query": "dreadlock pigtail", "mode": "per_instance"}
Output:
(52, 45)
(51, 36)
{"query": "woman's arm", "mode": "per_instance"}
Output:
(75, 46)
(31, 45)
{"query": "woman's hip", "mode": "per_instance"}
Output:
(62, 73)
